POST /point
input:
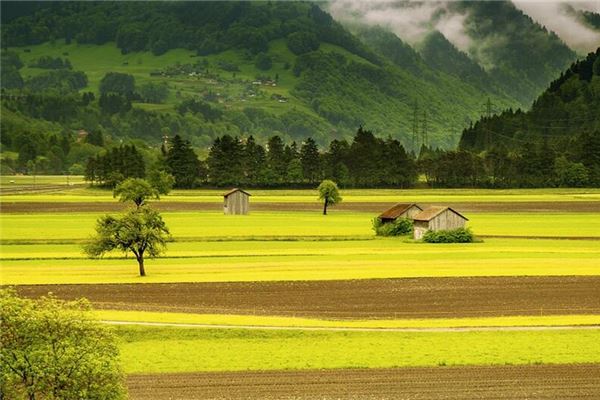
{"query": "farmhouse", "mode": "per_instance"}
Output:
(236, 201)
(400, 210)
(437, 219)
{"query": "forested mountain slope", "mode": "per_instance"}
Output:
(564, 120)
(265, 68)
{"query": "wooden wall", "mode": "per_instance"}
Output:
(237, 203)
(447, 220)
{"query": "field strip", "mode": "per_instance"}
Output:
(348, 329)
(508, 382)
(149, 349)
(391, 299)
(297, 322)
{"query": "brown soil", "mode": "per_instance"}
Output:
(371, 298)
(541, 206)
(458, 383)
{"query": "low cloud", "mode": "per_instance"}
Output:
(411, 21)
(556, 17)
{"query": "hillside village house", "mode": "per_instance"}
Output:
(400, 210)
(437, 219)
(236, 201)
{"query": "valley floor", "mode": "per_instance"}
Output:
(286, 303)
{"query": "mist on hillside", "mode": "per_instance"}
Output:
(413, 20)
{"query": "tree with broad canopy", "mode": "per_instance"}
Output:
(140, 230)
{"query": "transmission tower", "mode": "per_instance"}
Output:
(415, 127)
(424, 129)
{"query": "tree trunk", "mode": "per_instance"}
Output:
(325, 207)
(140, 260)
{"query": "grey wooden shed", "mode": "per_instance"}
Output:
(236, 201)
(437, 219)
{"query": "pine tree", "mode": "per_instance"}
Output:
(182, 162)
(311, 162)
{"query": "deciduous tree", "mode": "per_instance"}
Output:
(329, 193)
(136, 190)
(141, 231)
(53, 349)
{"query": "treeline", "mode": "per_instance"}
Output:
(533, 165)
(367, 161)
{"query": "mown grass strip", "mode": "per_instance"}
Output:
(276, 321)
(161, 349)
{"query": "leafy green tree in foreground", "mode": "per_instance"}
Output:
(329, 193)
(53, 349)
(141, 231)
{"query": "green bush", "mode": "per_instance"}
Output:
(399, 227)
(460, 235)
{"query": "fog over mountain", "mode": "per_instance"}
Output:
(413, 20)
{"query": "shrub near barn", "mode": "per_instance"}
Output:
(460, 235)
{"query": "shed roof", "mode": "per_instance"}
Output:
(397, 210)
(432, 212)
(232, 191)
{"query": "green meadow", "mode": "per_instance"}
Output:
(167, 349)
(50, 227)
(300, 261)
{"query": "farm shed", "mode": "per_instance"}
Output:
(236, 201)
(437, 219)
(400, 210)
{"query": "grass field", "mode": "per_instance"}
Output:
(186, 225)
(494, 257)
(152, 349)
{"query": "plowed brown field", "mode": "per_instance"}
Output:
(457, 383)
(371, 298)
(535, 206)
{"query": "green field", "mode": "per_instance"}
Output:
(151, 349)
(295, 246)
(196, 225)
(328, 260)
(45, 248)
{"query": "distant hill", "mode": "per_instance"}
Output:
(568, 108)
(263, 68)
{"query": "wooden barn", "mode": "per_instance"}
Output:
(437, 219)
(400, 210)
(236, 201)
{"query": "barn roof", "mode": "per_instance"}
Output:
(232, 191)
(397, 210)
(432, 212)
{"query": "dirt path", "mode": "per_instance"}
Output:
(565, 382)
(352, 329)
(6, 206)
(350, 299)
